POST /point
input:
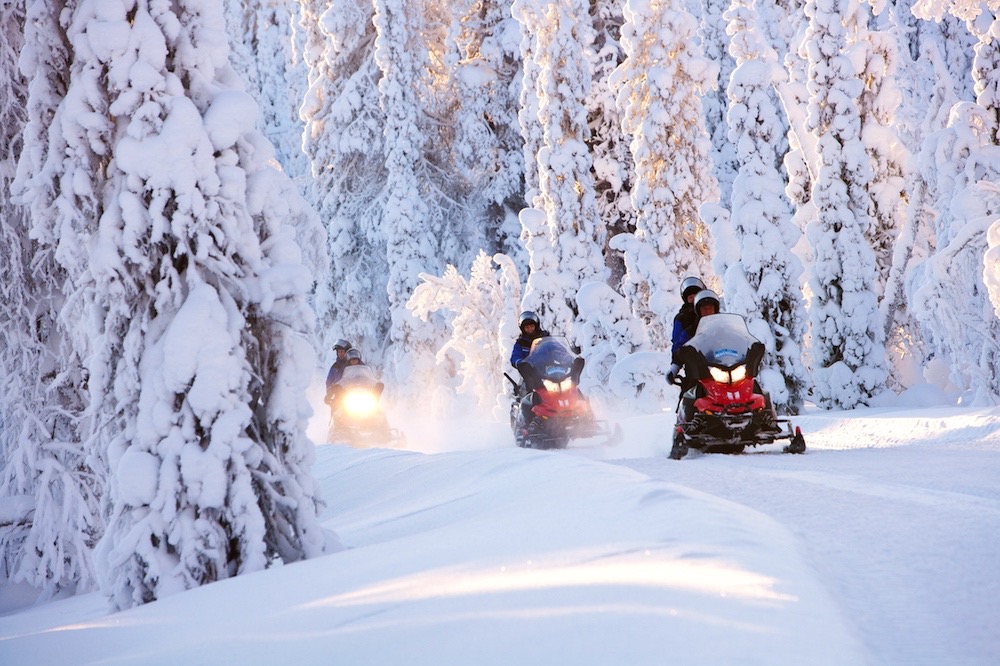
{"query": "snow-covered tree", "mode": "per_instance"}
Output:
(478, 305)
(608, 142)
(877, 107)
(606, 332)
(46, 471)
(527, 115)
(262, 33)
(561, 32)
(190, 292)
(715, 101)
(801, 160)
(658, 92)
(344, 141)
(411, 245)
(932, 65)
(960, 167)
(848, 352)
(488, 147)
(762, 281)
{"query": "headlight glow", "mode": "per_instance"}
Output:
(737, 374)
(719, 375)
(360, 403)
(558, 387)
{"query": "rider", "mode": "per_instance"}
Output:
(686, 319)
(340, 347)
(706, 303)
(352, 357)
(703, 304)
(531, 330)
(685, 323)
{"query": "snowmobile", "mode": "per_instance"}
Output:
(548, 409)
(357, 417)
(726, 410)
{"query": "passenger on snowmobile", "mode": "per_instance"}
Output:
(340, 348)
(703, 304)
(686, 319)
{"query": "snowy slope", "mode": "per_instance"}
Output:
(877, 546)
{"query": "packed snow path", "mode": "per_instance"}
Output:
(898, 513)
(876, 547)
(900, 518)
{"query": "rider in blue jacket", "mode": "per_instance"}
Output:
(531, 330)
(341, 348)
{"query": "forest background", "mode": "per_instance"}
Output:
(199, 197)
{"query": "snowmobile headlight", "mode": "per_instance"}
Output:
(558, 387)
(719, 375)
(360, 403)
(738, 374)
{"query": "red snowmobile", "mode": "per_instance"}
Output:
(548, 408)
(726, 410)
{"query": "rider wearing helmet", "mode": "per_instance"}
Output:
(706, 303)
(685, 323)
(531, 330)
(353, 357)
(686, 319)
(341, 348)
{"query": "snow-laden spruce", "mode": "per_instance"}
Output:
(266, 45)
(761, 277)
(411, 245)
(344, 142)
(848, 354)
(50, 483)
(560, 34)
(960, 166)
(482, 318)
(613, 172)
(192, 288)
(715, 100)
(488, 151)
(658, 93)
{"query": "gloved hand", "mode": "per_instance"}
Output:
(672, 373)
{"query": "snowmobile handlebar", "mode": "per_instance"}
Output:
(511, 380)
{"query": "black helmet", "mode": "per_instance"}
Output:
(691, 285)
(528, 316)
(342, 344)
(707, 296)
(353, 354)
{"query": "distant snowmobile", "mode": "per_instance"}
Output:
(726, 410)
(357, 417)
(548, 409)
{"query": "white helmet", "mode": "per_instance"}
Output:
(691, 285)
(707, 296)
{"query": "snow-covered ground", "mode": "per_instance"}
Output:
(879, 546)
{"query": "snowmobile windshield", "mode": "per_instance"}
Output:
(551, 357)
(358, 375)
(723, 339)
